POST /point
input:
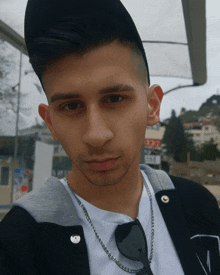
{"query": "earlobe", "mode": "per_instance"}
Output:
(155, 96)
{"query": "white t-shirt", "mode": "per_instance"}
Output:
(165, 259)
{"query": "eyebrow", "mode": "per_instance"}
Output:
(107, 90)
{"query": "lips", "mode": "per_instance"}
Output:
(102, 165)
(100, 160)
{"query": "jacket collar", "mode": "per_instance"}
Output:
(52, 202)
(158, 179)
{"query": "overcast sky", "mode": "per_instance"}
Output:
(12, 12)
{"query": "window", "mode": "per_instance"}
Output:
(4, 176)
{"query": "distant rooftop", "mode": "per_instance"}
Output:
(198, 123)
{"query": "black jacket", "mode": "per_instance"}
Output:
(35, 234)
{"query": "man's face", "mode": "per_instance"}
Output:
(99, 107)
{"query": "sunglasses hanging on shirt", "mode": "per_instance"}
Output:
(132, 243)
(130, 239)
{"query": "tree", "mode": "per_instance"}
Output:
(183, 110)
(210, 151)
(9, 78)
(8, 101)
(177, 143)
(5, 64)
(8, 91)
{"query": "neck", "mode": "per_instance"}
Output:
(122, 197)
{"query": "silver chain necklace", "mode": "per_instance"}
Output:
(129, 270)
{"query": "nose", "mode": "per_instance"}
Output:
(97, 128)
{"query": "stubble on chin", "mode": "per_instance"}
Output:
(103, 178)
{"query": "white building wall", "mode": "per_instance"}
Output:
(204, 134)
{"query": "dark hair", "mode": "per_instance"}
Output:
(77, 34)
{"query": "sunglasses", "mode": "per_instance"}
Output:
(131, 242)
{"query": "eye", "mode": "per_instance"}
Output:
(115, 98)
(70, 106)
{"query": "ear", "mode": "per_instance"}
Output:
(43, 111)
(155, 96)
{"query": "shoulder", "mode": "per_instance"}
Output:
(16, 218)
(194, 195)
(16, 227)
(50, 203)
(47, 203)
(191, 188)
(17, 215)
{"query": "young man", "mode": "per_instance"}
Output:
(110, 215)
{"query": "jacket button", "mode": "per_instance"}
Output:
(75, 238)
(165, 199)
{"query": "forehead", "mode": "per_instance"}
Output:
(105, 64)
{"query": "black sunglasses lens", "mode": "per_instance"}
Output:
(131, 240)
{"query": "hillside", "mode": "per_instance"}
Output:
(209, 110)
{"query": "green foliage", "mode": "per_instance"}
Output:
(6, 63)
(210, 152)
(210, 108)
(188, 116)
(177, 143)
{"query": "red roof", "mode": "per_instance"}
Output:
(197, 123)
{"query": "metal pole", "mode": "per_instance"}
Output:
(17, 121)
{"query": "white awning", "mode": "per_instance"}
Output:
(173, 33)
(174, 36)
